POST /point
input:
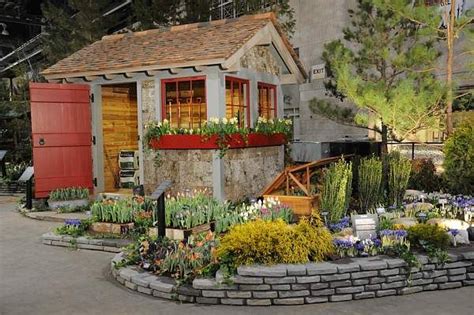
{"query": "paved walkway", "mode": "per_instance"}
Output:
(39, 279)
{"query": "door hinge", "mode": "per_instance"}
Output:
(94, 181)
(93, 140)
(92, 97)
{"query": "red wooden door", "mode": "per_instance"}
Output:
(61, 128)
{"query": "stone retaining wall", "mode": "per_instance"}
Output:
(354, 279)
(105, 245)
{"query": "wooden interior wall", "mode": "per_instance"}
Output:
(120, 128)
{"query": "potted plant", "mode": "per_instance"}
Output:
(113, 216)
(68, 199)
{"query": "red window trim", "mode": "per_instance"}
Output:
(269, 86)
(172, 80)
(241, 81)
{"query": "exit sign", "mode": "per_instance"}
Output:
(318, 71)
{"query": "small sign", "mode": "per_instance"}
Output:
(365, 225)
(2, 154)
(318, 71)
(380, 210)
(27, 174)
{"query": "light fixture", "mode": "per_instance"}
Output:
(4, 31)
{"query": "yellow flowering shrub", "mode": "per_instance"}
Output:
(273, 242)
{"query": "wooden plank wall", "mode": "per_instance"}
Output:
(120, 128)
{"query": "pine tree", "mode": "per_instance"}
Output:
(383, 68)
(70, 28)
(448, 27)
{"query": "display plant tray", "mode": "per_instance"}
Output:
(183, 234)
(199, 142)
(301, 205)
(111, 228)
(55, 205)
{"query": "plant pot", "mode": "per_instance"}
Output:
(111, 228)
(301, 205)
(183, 234)
(55, 205)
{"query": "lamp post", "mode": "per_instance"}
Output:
(325, 217)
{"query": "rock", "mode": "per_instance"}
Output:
(406, 222)
(413, 193)
(419, 206)
(470, 231)
(461, 226)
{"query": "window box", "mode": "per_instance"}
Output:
(200, 142)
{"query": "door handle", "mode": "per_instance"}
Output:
(41, 141)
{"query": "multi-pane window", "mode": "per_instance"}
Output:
(184, 102)
(237, 100)
(267, 105)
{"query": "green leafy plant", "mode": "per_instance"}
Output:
(459, 160)
(69, 193)
(114, 211)
(337, 190)
(399, 174)
(370, 183)
(423, 235)
(73, 227)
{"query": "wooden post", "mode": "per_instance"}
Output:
(160, 207)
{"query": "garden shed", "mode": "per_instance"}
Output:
(93, 113)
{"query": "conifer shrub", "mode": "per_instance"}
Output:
(370, 183)
(423, 176)
(427, 235)
(274, 242)
(337, 190)
(399, 174)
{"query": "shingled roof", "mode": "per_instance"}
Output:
(179, 46)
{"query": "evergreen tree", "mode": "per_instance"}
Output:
(383, 67)
(156, 13)
(71, 27)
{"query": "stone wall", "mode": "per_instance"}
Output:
(311, 283)
(260, 59)
(105, 245)
(187, 169)
(248, 171)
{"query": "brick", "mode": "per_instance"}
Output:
(265, 294)
(142, 280)
(348, 268)
(93, 241)
(440, 279)
(422, 259)
(416, 275)
(186, 298)
(255, 287)
(410, 290)
(468, 282)
(282, 280)
(396, 278)
(131, 285)
(450, 285)
(185, 290)
(372, 265)
(262, 271)
(144, 290)
(46, 242)
(350, 290)
(393, 285)
(373, 287)
(213, 293)
(340, 298)
(110, 249)
(239, 294)
(421, 282)
(377, 280)
(430, 287)
(90, 247)
(233, 301)
(127, 273)
(457, 278)
(296, 270)
(429, 267)
(313, 300)
(291, 294)
(468, 255)
(456, 271)
(281, 287)
(259, 302)
(458, 264)
(338, 284)
(323, 292)
(395, 263)
(319, 286)
(364, 295)
(381, 293)
(247, 280)
(120, 280)
(162, 286)
(204, 284)
(320, 269)
(308, 279)
(207, 300)
(389, 272)
(336, 277)
(300, 286)
(363, 274)
(163, 295)
(291, 301)
(60, 243)
(360, 282)
(434, 273)
(470, 276)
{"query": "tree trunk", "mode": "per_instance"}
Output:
(449, 68)
(383, 156)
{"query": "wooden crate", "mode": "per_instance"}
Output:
(301, 205)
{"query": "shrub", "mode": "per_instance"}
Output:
(273, 242)
(459, 160)
(337, 190)
(399, 174)
(69, 193)
(370, 183)
(423, 235)
(114, 211)
(423, 176)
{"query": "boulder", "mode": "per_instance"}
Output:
(406, 222)
(419, 206)
(461, 226)
(412, 193)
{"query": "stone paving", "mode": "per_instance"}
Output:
(39, 279)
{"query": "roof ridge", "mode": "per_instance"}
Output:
(191, 26)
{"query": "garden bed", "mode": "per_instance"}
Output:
(344, 280)
(82, 242)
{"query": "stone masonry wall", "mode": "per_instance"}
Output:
(248, 171)
(309, 283)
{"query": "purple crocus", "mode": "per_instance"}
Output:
(74, 222)
(453, 232)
